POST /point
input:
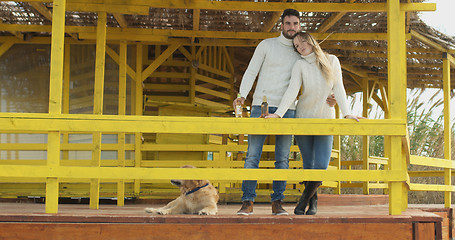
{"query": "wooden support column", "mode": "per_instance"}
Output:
(55, 101)
(447, 127)
(365, 139)
(121, 111)
(385, 107)
(193, 71)
(98, 104)
(396, 46)
(138, 90)
(337, 147)
(66, 94)
(52, 183)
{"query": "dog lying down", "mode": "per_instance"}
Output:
(197, 197)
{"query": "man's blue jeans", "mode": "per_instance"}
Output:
(315, 150)
(255, 144)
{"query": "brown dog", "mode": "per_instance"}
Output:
(197, 196)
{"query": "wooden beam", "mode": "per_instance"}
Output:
(41, 122)
(111, 8)
(110, 52)
(120, 20)
(332, 20)
(447, 128)
(189, 33)
(196, 19)
(427, 41)
(396, 46)
(6, 46)
(43, 10)
(100, 63)
(159, 60)
(57, 58)
(268, 26)
(127, 37)
(17, 34)
(258, 6)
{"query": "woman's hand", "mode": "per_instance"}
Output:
(273, 115)
(354, 117)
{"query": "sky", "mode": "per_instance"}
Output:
(441, 19)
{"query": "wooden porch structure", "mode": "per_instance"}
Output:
(204, 57)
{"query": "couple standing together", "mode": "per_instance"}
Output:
(284, 65)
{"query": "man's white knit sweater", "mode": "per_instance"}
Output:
(315, 90)
(272, 60)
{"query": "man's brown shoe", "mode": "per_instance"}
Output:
(277, 209)
(247, 208)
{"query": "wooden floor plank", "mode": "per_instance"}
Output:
(37, 231)
(78, 221)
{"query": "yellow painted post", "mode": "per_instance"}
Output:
(121, 111)
(365, 139)
(229, 55)
(121, 163)
(220, 58)
(96, 162)
(447, 128)
(396, 46)
(66, 94)
(100, 63)
(193, 71)
(222, 161)
(8, 135)
(98, 104)
(53, 160)
(55, 101)
(138, 111)
(337, 146)
(385, 103)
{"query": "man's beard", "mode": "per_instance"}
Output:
(288, 36)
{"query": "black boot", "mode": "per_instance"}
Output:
(313, 205)
(310, 189)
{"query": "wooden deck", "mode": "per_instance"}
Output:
(77, 221)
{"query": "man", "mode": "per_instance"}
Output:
(272, 60)
(272, 63)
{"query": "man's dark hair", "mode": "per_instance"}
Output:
(290, 12)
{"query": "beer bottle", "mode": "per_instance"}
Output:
(238, 107)
(264, 107)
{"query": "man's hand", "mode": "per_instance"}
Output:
(240, 101)
(331, 100)
(272, 115)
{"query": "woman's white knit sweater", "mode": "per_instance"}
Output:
(272, 63)
(315, 90)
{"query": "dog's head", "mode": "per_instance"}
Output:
(188, 185)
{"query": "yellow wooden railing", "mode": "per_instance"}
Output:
(55, 170)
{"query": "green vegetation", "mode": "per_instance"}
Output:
(426, 132)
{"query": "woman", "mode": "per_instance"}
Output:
(319, 74)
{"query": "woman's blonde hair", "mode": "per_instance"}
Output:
(322, 59)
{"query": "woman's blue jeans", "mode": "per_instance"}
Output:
(315, 150)
(253, 156)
